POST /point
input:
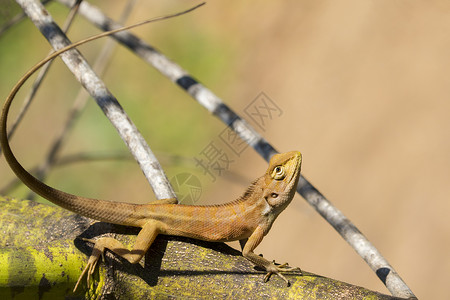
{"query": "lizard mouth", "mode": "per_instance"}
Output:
(296, 175)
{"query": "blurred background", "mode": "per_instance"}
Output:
(362, 90)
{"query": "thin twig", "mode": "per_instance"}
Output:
(86, 157)
(68, 160)
(215, 105)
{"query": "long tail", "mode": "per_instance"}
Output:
(112, 212)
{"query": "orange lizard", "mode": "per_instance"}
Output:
(247, 219)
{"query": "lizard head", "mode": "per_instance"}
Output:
(281, 179)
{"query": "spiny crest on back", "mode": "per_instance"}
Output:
(247, 194)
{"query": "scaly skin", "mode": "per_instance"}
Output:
(247, 219)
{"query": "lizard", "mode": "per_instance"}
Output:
(247, 219)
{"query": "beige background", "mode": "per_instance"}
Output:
(364, 89)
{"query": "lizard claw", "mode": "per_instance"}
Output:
(274, 269)
(91, 264)
(89, 269)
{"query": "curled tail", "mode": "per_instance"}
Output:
(112, 212)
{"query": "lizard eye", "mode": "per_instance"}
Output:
(278, 173)
(274, 195)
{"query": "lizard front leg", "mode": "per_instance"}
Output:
(253, 241)
(143, 241)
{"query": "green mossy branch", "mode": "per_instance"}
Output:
(41, 255)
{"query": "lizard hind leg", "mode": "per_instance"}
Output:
(143, 241)
(97, 251)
